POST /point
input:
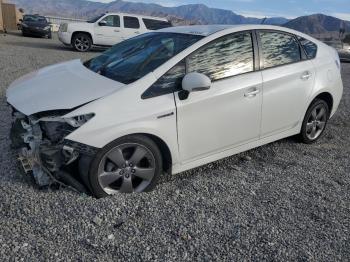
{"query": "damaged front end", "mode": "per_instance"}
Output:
(43, 149)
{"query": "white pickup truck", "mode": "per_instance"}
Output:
(107, 30)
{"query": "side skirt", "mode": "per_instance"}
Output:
(177, 168)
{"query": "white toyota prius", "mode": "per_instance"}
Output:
(171, 100)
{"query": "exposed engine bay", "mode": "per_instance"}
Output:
(43, 150)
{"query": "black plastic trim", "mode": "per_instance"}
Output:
(81, 148)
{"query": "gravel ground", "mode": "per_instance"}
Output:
(282, 201)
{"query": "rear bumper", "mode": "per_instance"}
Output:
(65, 37)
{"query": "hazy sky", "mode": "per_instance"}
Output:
(261, 8)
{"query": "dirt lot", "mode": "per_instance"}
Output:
(283, 201)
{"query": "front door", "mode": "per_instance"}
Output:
(108, 31)
(228, 114)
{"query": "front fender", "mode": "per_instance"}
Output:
(164, 129)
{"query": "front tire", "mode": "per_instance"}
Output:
(81, 42)
(315, 121)
(129, 164)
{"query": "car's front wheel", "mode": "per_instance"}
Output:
(82, 42)
(129, 164)
(315, 121)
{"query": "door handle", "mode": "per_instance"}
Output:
(117, 31)
(137, 32)
(252, 93)
(306, 75)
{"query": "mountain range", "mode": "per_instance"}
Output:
(188, 14)
(198, 13)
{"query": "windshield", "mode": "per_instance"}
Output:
(94, 20)
(132, 59)
(34, 18)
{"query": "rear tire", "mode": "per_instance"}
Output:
(315, 121)
(82, 42)
(129, 164)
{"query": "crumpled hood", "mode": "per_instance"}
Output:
(62, 86)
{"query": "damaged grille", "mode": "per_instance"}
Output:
(56, 131)
(40, 145)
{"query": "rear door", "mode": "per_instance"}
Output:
(108, 33)
(288, 79)
(131, 27)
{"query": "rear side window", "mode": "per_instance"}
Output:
(225, 57)
(152, 24)
(279, 49)
(131, 22)
(309, 47)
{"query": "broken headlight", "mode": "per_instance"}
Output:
(57, 128)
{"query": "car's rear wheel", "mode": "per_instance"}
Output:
(82, 42)
(315, 121)
(130, 164)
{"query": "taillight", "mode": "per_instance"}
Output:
(337, 62)
(337, 59)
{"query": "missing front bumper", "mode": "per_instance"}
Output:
(46, 160)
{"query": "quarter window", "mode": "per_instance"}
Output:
(309, 47)
(152, 24)
(112, 20)
(170, 82)
(225, 57)
(279, 49)
(131, 22)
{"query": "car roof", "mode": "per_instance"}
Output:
(206, 30)
(141, 16)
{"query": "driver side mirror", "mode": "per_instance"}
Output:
(194, 82)
(21, 20)
(102, 23)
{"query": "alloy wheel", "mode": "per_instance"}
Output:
(126, 168)
(82, 43)
(316, 122)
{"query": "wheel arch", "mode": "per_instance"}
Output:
(325, 96)
(82, 32)
(163, 147)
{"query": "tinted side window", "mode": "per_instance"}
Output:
(112, 20)
(170, 82)
(131, 22)
(152, 24)
(227, 56)
(309, 47)
(279, 49)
